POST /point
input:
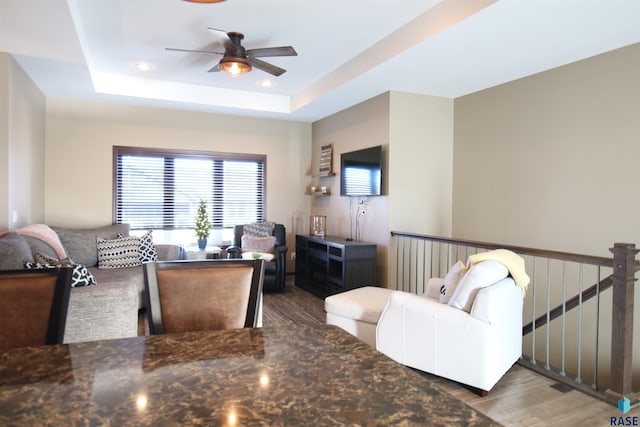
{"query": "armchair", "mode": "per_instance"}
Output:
(274, 270)
(474, 347)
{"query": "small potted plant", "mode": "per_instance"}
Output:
(202, 225)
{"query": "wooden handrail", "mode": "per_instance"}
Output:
(542, 253)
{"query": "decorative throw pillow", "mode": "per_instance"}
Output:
(119, 252)
(259, 229)
(80, 276)
(479, 276)
(432, 290)
(41, 258)
(451, 281)
(147, 251)
(258, 244)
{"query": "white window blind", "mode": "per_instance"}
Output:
(160, 189)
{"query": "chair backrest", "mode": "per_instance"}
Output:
(33, 306)
(185, 296)
(279, 232)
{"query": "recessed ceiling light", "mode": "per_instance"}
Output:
(266, 83)
(144, 66)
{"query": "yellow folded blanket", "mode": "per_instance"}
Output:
(511, 260)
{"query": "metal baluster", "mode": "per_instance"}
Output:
(410, 258)
(533, 315)
(594, 385)
(431, 261)
(580, 279)
(424, 265)
(547, 366)
(403, 263)
(564, 316)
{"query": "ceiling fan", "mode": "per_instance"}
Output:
(237, 60)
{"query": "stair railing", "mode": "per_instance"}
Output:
(568, 326)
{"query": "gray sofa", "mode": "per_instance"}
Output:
(110, 308)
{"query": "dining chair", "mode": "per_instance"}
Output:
(33, 306)
(185, 296)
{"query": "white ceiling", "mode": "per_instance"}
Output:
(348, 50)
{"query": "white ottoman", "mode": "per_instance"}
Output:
(357, 311)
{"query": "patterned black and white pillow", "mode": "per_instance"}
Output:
(146, 250)
(80, 276)
(41, 258)
(118, 253)
(259, 229)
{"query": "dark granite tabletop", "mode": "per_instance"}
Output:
(294, 376)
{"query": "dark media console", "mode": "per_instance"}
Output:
(330, 265)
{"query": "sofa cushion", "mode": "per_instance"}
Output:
(39, 246)
(119, 275)
(102, 312)
(15, 251)
(479, 276)
(119, 252)
(364, 304)
(80, 244)
(133, 275)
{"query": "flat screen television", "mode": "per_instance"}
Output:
(361, 172)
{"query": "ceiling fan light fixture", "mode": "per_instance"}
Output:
(234, 66)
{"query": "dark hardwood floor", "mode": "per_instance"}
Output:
(521, 397)
(293, 306)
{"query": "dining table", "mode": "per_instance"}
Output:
(298, 375)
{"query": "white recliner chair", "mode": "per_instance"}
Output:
(472, 340)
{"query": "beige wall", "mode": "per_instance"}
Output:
(420, 164)
(361, 126)
(416, 133)
(551, 161)
(80, 137)
(22, 139)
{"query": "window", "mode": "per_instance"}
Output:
(160, 189)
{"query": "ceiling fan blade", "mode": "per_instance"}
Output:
(173, 49)
(217, 30)
(265, 66)
(224, 37)
(272, 51)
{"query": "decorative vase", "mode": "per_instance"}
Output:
(202, 244)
